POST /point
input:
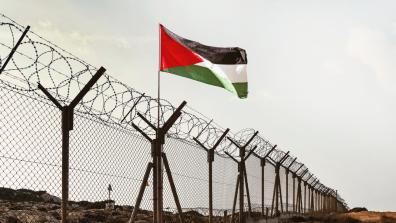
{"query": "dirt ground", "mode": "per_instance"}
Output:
(371, 216)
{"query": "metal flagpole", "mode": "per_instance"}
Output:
(159, 143)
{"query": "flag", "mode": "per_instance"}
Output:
(218, 66)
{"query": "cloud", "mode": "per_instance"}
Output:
(377, 50)
(45, 24)
(334, 66)
(267, 96)
(86, 43)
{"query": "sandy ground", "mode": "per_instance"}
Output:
(370, 216)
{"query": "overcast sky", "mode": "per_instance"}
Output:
(321, 74)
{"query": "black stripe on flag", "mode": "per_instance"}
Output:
(216, 55)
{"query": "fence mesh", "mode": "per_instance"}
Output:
(108, 158)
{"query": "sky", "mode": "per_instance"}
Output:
(322, 82)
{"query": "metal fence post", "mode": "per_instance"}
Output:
(241, 167)
(210, 185)
(277, 192)
(160, 183)
(141, 192)
(210, 158)
(14, 49)
(294, 192)
(262, 186)
(173, 188)
(65, 162)
(67, 125)
(235, 199)
(262, 164)
(247, 191)
(157, 150)
(241, 189)
(155, 178)
(287, 189)
(305, 197)
(309, 199)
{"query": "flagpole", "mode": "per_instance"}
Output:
(159, 68)
(159, 143)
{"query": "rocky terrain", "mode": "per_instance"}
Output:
(27, 206)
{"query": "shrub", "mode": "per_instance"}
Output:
(386, 219)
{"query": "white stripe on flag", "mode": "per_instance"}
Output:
(235, 73)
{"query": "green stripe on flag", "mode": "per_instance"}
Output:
(241, 88)
(207, 76)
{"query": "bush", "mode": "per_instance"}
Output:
(357, 209)
(386, 219)
(340, 219)
(298, 219)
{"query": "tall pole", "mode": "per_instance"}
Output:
(294, 192)
(210, 158)
(160, 183)
(309, 198)
(155, 178)
(241, 185)
(157, 146)
(287, 190)
(305, 197)
(14, 49)
(276, 192)
(210, 188)
(262, 186)
(241, 168)
(67, 125)
(262, 164)
(65, 162)
(159, 143)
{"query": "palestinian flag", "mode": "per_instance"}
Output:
(219, 66)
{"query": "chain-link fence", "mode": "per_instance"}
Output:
(108, 157)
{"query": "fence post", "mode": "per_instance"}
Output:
(67, 125)
(317, 201)
(287, 189)
(313, 199)
(294, 192)
(173, 188)
(276, 191)
(262, 163)
(65, 162)
(305, 197)
(278, 188)
(287, 184)
(160, 182)
(241, 167)
(157, 149)
(247, 191)
(210, 161)
(14, 49)
(309, 199)
(235, 199)
(141, 192)
(241, 189)
(210, 153)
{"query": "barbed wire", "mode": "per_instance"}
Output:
(38, 60)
